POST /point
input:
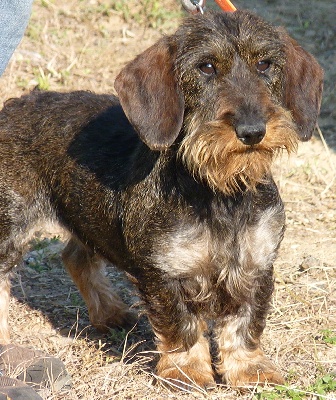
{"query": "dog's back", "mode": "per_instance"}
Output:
(59, 153)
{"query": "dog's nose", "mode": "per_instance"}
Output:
(251, 134)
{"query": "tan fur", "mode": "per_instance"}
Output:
(4, 304)
(256, 247)
(186, 368)
(215, 154)
(88, 272)
(238, 364)
(184, 255)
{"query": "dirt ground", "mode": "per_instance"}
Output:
(82, 44)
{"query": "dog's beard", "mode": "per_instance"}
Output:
(213, 153)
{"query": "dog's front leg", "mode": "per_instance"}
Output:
(241, 360)
(249, 282)
(185, 360)
(185, 368)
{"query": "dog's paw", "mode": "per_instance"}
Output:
(187, 378)
(119, 317)
(189, 370)
(255, 372)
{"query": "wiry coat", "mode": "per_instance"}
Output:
(172, 184)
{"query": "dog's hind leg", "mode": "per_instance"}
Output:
(4, 304)
(87, 270)
(10, 253)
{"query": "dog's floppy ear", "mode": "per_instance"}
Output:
(151, 97)
(303, 86)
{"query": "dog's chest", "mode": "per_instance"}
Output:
(194, 249)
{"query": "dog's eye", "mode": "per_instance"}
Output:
(262, 66)
(207, 69)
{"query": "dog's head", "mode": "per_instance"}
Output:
(230, 90)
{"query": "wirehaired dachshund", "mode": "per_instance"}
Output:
(171, 182)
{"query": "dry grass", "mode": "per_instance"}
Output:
(77, 44)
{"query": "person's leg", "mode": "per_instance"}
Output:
(14, 17)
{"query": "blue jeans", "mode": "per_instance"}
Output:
(14, 17)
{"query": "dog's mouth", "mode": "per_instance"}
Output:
(215, 153)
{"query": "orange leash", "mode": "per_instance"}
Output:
(226, 5)
(194, 6)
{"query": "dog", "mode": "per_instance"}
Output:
(171, 182)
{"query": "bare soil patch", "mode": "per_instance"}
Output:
(82, 44)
